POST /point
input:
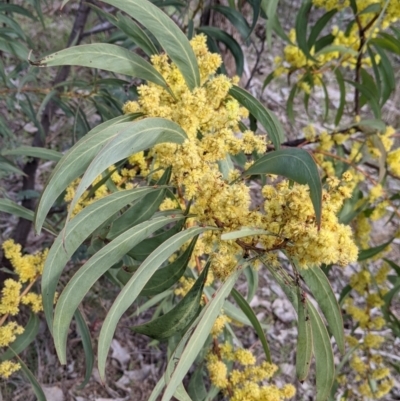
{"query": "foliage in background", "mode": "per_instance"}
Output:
(160, 193)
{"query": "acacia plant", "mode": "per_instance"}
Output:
(162, 194)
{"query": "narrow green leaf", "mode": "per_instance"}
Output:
(336, 48)
(136, 33)
(196, 388)
(178, 318)
(128, 138)
(304, 340)
(290, 103)
(344, 293)
(319, 26)
(84, 332)
(388, 297)
(15, 48)
(235, 313)
(135, 285)
(252, 282)
(385, 68)
(325, 368)
(369, 95)
(375, 124)
(225, 166)
(8, 206)
(23, 340)
(269, 7)
(368, 82)
(141, 251)
(277, 27)
(169, 3)
(198, 338)
(371, 252)
(326, 99)
(156, 300)
(269, 79)
(248, 311)
(236, 19)
(256, 5)
(393, 265)
(301, 27)
(12, 8)
(157, 390)
(267, 119)
(14, 27)
(175, 355)
(170, 36)
(141, 211)
(68, 241)
(105, 56)
(31, 151)
(323, 293)
(90, 272)
(181, 394)
(387, 42)
(74, 163)
(371, 8)
(342, 100)
(377, 75)
(7, 166)
(37, 389)
(167, 276)
(324, 364)
(294, 164)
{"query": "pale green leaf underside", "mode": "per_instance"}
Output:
(128, 139)
(325, 367)
(170, 36)
(68, 241)
(105, 56)
(8, 206)
(91, 271)
(84, 333)
(324, 363)
(267, 119)
(323, 293)
(304, 342)
(132, 289)
(73, 164)
(199, 336)
(33, 151)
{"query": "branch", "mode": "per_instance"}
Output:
(103, 27)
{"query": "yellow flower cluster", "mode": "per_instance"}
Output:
(391, 7)
(247, 381)
(210, 117)
(393, 162)
(122, 179)
(28, 269)
(185, 284)
(386, 139)
(289, 214)
(331, 4)
(346, 43)
(366, 363)
(219, 325)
